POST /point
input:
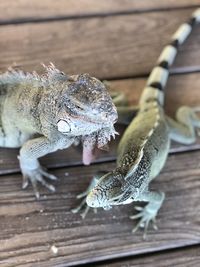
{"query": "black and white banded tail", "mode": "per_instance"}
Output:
(158, 77)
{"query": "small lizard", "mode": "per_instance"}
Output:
(42, 114)
(143, 149)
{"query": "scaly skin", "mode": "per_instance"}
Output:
(143, 149)
(42, 114)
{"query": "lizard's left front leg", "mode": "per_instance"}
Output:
(149, 212)
(29, 164)
(83, 205)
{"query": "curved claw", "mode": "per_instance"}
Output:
(25, 181)
(138, 208)
(79, 207)
(48, 175)
(155, 227)
(44, 183)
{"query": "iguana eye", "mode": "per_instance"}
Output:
(78, 107)
(115, 200)
(63, 126)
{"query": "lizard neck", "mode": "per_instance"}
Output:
(48, 106)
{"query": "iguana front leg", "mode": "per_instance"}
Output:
(149, 212)
(83, 205)
(29, 164)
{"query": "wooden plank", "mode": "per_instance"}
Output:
(181, 258)
(16, 10)
(30, 228)
(178, 93)
(104, 47)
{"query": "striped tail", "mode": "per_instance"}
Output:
(159, 75)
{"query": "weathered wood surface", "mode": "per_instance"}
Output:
(23, 10)
(104, 38)
(178, 93)
(104, 47)
(181, 258)
(29, 228)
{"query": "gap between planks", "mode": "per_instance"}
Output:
(72, 45)
(21, 11)
(29, 228)
(181, 257)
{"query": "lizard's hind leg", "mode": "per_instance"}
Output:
(183, 129)
(126, 114)
(125, 111)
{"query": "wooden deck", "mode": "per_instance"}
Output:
(119, 42)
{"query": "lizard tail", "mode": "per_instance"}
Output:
(159, 75)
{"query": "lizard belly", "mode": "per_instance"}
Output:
(17, 129)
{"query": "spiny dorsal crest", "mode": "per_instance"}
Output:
(51, 76)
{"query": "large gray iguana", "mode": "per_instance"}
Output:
(42, 114)
(144, 147)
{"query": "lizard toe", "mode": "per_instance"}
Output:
(146, 217)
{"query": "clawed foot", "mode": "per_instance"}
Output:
(82, 206)
(146, 216)
(35, 176)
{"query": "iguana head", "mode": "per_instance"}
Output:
(84, 109)
(111, 190)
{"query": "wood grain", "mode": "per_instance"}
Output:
(181, 258)
(178, 93)
(29, 228)
(110, 41)
(16, 10)
(109, 47)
